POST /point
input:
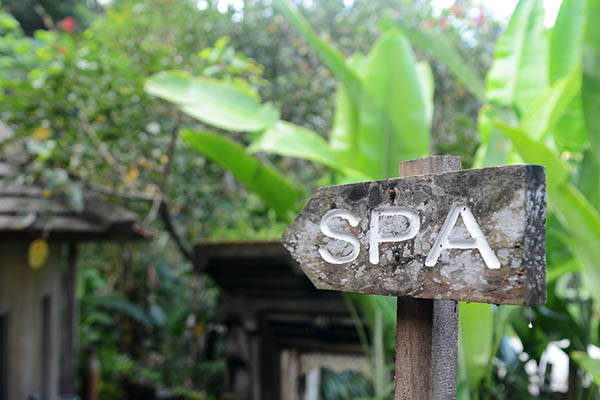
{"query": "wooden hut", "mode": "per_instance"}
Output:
(280, 330)
(38, 306)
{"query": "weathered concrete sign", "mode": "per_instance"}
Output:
(470, 235)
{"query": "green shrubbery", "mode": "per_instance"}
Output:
(76, 100)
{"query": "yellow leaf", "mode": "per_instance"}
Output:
(164, 159)
(199, 328)
(132, 175)
(100, 118)
(46, 193)
(41, 133)
(37, 253)
(272, 28)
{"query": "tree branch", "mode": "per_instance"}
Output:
(163, 210)
(171, 151)
(89, 131)
(157, 198)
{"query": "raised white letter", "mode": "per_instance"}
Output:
(376, 237)
(333, 233)
(477, 241)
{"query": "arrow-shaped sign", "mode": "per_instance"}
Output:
(470, 235)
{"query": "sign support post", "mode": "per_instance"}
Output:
(426, 330)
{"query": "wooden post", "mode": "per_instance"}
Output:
(426, 330)
(68, 374)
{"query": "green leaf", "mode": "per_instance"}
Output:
(393, 117)
(291, 140)
(476, 328)
(350, 175)
(590, 88)
(550, 106)
(116, 303)
(495, 147)
(589, 365)
(582, 221)
(331, 57)
(213, 102)
(566, 38)
(427, 88)
(157, 315)
(536, 152)
(559, 269)
(74, 197)
(589, 178)
(444, 50)
(569, 133)
(519, 71)
(8, 22)
(263, 180)
(387, 305)
(343, 138)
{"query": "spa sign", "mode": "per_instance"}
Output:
(472, 235)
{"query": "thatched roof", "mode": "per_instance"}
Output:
(25, 212)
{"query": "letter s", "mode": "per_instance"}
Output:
(335, 234)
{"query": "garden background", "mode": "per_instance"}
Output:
(216, 120)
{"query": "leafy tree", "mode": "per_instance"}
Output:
(83, 122)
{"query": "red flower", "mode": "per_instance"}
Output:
(68, 24)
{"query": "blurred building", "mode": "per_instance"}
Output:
(38, 320)
(280, 330)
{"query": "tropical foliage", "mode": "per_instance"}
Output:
(534, 111)
(379, 120)
(539, 109)
(256, 91)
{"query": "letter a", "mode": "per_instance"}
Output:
(333, 233)
(477, 240)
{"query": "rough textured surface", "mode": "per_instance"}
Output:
(508, 203)
(444, 349)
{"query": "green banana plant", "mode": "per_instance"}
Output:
(384, 101)
(383, 115)
(384, 109)
(540, 105)
(231, 106)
